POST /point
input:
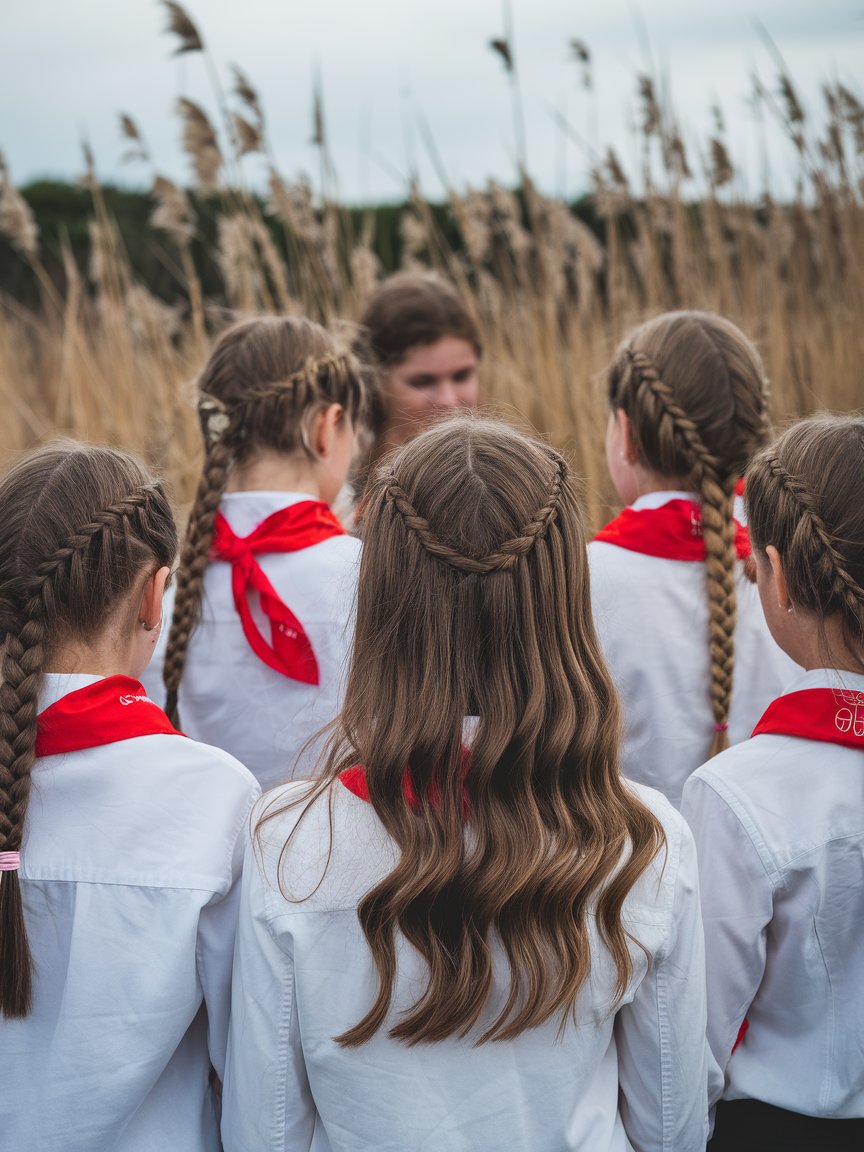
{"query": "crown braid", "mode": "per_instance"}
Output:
(505, 555)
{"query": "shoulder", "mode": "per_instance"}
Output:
(213, 777)
(319, 848)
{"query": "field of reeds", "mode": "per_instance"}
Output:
(101, 356)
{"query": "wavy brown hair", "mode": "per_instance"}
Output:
(804, 497)
(80, 528)
(263, 382)
(474, 601)
(695, 392)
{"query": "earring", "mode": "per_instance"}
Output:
(150, 627)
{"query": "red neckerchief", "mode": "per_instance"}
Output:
(672, 532)
(116, 708)
(834, 715)
(354, 779)
(288, 530)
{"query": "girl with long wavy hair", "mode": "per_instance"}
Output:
(779, 820)
(678, 620)
(471, 932)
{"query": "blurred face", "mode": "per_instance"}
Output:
(431, 379)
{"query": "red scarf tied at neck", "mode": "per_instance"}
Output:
(672, 532)
(288, 530)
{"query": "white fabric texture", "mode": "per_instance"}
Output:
(303, 973)
(130, 875)
(231, 698)
(779, 825)
(652, 619)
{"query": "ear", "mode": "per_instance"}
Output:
(150, 607)
(626, 437)
(779, 577)
(324, 428)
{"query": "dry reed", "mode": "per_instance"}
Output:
(108, 362)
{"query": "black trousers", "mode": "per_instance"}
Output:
(751, 1126)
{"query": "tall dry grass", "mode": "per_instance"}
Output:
(104, 360)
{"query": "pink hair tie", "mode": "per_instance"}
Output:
(721, 727)
(10, 861)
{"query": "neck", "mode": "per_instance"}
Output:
(92, 660)
(645, 482)
(820, 644)
(268, 471)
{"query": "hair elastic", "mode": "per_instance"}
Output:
(721, 727)
(10, 861)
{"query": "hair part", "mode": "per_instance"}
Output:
(803, 496)
(79, 527)
(478, 525)
(264, 381)
(695, 393)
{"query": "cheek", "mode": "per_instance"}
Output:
(468, 392)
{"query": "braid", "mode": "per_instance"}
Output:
(830, 564)
(716, 495)
(503, 557)
(193, 564)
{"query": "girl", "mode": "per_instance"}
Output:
(120, 842)
(261, 631)
(498, 948)
(679, 623)
(426, 348)
(779, 820)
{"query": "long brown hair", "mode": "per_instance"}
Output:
(474, 600)
(695, 392)
(262, 384)
(409, 310)
(804, 497)
(79, 527)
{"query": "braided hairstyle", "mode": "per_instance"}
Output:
(80, 527)
(803, 496)
(695, 393)
(265, 380)
(473, 600)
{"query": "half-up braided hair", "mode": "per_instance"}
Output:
(264, 381)
(473, 600)
(695, 393)
(804, 496)
(79, 527)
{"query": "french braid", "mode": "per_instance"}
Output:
(827, 560)
(47, 588)
(263, 381)
(695, 393)
(718, 532)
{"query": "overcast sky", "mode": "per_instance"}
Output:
(68, 69)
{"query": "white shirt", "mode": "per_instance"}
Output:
(652, 619)
(779, 824)
(130, 873)
(633, 1079)
(231, 698)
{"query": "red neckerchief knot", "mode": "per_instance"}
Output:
(288, 530)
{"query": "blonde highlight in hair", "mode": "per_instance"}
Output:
(694, 390)
(264, 381)
(78, 527)
(474, 601)
(803, 496)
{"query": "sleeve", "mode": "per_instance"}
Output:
(738, 904)
(663, 1058)
(217, 927)
(267, 1104)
